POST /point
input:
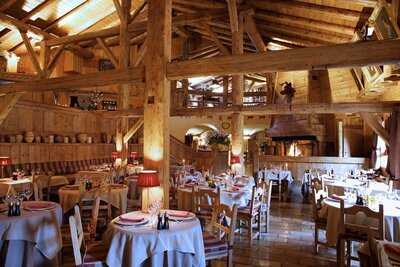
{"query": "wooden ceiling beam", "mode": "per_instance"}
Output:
(17, 77)
(270, 109)
(103, 78)
(233, 15)
(251, 29)
(340, 13)
(107, 51)
(302, 22)
(27, 27)
(140, 26)
(208, 4)
(52, 64)
(141, 53)
(286, 109)
(7, 103)
(375, 123)
(137, 11)
(118, 8)
(31, 53)
(380, 52)
(215, 39)
(6, 5)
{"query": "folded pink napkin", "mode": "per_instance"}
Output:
(239, 185)
(336, 197)
(38, 205)
(178, 213)
(131, 218)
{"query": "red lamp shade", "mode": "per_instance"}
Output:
(134, 155)
(235, 159)
(115, 154)
(4, 161)
(148, 178)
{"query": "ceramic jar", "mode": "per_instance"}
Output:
(89, 140)
(29, 137)
(38, 139)
(19, 138)
(66, 139)
(59, 139)
(11, 138)
(82, 138)
(73, 139)
(49, 139)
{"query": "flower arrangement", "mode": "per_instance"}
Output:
(219, 141)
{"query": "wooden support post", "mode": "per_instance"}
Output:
(185, 88)
(108, 51)
(133, 130)
(340, 134)
(226, 89)
(237, 86)
(157, 97)
(124, 95)
(52, 64)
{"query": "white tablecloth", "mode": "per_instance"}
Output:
(33, 230)
(275, 175)
(181, 245)
(391, 210)
(336, 186)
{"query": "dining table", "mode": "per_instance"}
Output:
(133, 240)
(391, 210)
(33, 238)
(276, 175)
(9, 185)
(239, 192)
(71, 195)
(338, 185)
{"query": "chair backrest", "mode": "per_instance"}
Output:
(89, 213)
(223, 222)
(317, 183)
(205, 199)
(267, 191)
(77, 235)
(318, 195)
(40, 182)
(368, 229)
(256, 197)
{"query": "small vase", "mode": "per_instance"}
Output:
(29, 137)
(51, 139)
(11, 138)
(38, 139)
(66, 139)
(82, 138)
(89, 140)
(19, 138)
(73, 139)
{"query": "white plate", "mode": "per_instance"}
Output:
(190, 216)
(126, 223)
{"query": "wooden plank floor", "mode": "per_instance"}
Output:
(288, 243)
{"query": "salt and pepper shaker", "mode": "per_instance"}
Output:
(163, 222)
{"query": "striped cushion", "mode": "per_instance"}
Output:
(95, 254)
(213, 246)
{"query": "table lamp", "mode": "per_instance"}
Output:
(235, 164)
(4, 161)
(146, 180)
(134, 156)
(235, 159)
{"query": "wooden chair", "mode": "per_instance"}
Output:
(266, 202)
(41, 187)
(218, 242)
(94, 253)
(319, 222)
(203, 201)
(95, 213)
(350, 231)
(251, 214)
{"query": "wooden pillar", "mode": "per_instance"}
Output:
(124, 92)
(237, 98)
(185, 88)
(157, 97)
(340, 138)
(226, 89)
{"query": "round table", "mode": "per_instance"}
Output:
(391, 210)
(71, 195)
(32, 239)
(10, 185)
(240, 197)
(180, 246)
(337, 187)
